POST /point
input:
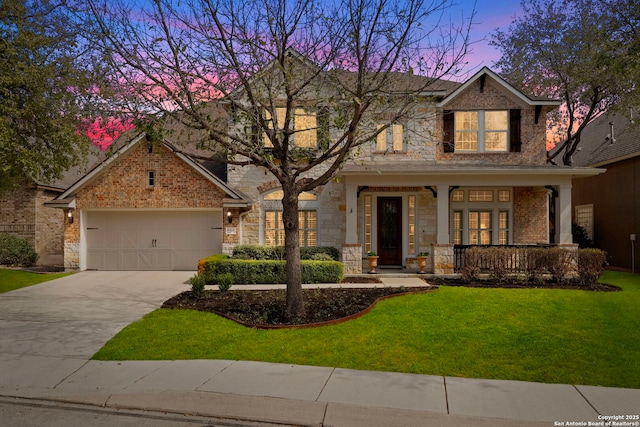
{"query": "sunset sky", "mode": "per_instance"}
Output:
(490, 14)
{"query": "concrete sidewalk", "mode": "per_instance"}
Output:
(49, 331)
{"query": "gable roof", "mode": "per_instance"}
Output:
(234, 198)
(598, 148)
(482, 74)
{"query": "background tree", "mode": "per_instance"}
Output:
(584, 52)
(42, 83)
(234, 74)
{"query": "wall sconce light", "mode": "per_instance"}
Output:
(70, 216)
(229, 217)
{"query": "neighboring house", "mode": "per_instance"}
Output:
(608, 205)
(467, 167)
(24, 215)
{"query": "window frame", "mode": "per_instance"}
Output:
(461, 209)
(481, 131)
(391, 139)
(307, 203)
(310, 132)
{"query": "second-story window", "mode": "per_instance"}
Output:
(482, 131)
(391, 138)
(304, 126)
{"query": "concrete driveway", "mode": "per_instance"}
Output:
(74, 316)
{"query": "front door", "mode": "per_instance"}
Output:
(390, 230)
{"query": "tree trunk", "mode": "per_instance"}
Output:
(295, 304)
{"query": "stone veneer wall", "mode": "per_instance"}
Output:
(352, 258)
(530, 215)
(442, 258)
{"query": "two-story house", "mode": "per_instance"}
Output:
(467, 166)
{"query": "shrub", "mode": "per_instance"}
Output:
(311, 251)
(471, 270)
(262, 252)
(16, 251)
(534, 263)
(268, 271)
(560, 263)
(580, 236)
(591, 263)
(321, 257)
(197, 285)
(224, 281)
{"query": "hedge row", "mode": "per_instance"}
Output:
(267, 271)
(534, 264)
(262, 252)
(16, 251)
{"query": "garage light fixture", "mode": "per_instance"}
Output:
(70, 215)
(229, 217)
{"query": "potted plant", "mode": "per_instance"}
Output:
(422, 261)
(373, 261)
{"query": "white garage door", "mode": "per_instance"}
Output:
(151, 240)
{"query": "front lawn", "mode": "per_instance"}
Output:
(15, 279)
(543, 335)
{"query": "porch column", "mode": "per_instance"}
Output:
(351, 214)
(442, 215)
(351, 249)
(563, 215)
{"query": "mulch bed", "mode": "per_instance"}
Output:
(265, 309)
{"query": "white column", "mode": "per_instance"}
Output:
(442, 219)
(563, 215)
(351, 213)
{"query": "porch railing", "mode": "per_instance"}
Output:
(514, 262)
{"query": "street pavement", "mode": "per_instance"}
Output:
(49, 332)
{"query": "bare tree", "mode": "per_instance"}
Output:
(238, 72)
(584, 52)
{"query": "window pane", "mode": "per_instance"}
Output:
(481, 195)
(457, 227)
(305, 126)
(457, 196)
(367, 223)
(495, 120)
(466, 127)
(504, 195)
(495, 141)
(412, 223)
(381, 139)
(397, 138)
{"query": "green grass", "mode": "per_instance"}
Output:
(15, 279)
(543, 335)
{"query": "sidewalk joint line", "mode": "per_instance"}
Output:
(325, 385)
(446, 395)
(585, 398)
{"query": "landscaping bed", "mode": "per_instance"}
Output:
(265, 309)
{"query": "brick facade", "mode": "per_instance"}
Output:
(530, 215)
(23, 214)
(493, 97)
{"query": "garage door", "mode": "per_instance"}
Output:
(151, 240)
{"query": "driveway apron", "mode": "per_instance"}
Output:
(74, 316)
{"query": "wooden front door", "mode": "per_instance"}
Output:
(390, 230)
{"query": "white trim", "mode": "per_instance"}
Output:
(485, 70)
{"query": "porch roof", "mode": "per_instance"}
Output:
(463, 173)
